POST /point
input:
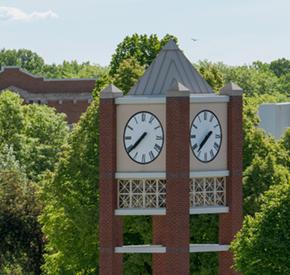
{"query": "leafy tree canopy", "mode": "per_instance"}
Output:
(262, 246)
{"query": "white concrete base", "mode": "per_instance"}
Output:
(140, 249)
(195, 248)
(208, 210)
(140, 212)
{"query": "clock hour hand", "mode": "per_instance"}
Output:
(204, 140)
(137, 142)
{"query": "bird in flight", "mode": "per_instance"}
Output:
(194, 39)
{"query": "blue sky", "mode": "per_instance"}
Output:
(232, 31)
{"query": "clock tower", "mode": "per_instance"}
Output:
(171, 148)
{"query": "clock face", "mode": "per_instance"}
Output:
(205, 136)
(143, 137)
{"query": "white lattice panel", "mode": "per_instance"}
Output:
(207, 192)
(141, 193)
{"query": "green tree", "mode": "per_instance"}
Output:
(21, 245)
(280, 67)
(24, 58)
(128, 74)
(70, 215)
(262, 245)
(143, 48)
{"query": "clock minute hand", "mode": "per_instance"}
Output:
(204, 140)
(137, 142)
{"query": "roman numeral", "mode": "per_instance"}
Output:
(157, 127)
(193, 125)
(205, 115)
(131, 128)
(194, 146)
(143, 158)
(129, 148)
(157, 148)
(199, 119)
(143, 117)
(151, 119)
(193, 136)
(151, 155)
(216, 146)
(198, 155)
(135, 156)
(216, 126)
(205, 156)
(211, 153)
(217, 136)
(159, 138)
(128, 138)
(135, 118)
(211, 118)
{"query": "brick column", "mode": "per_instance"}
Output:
(110, 226)
(177, 180)
(231, 222)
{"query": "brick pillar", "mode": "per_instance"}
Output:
(159, 229)
(177, 180)
(110, 226)
(231, 222)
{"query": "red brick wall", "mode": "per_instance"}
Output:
(15, 77)
(231, 222)
(110, 225)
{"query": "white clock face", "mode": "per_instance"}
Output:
(205, 136)
(143, 137)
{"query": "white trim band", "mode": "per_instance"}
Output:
(194, 248)
(202, 174)
(140, 100)
(162, 175)
(208, 98)
(208, 210)
(145, 175)
(140, 212)
(140, 249)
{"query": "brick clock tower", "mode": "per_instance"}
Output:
(171, 148)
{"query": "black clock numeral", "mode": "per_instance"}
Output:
(216, 126)
(216, 146)
(128, 137)
(194, 146)
(143, 117)
(211, 153)
(157, 127)
(193, 136)
(211, 118)
(198, 155)
(143, 158)
(205, 156)
(193, 125)
(131, 128)
(217, 136)
(135, 156)
(135, 118)
(159, 137)
(151, 119)
(157, 148)
(205, 115)
(151, 155)
(199, 119)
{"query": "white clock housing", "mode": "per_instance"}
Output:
(143, 137)
(205, 136)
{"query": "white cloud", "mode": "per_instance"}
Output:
(14, 14)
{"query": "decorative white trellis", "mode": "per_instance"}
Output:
(151, 193)
(207, 192)
(141, 193)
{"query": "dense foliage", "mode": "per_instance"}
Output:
(262, 246)
(31, 137)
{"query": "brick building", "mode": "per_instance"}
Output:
(69, 96)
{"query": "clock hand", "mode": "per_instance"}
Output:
(137, 142)
(204, 140)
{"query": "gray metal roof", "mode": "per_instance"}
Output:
(170, 64)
